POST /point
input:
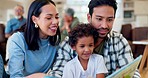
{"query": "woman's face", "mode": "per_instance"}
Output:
(47, 21)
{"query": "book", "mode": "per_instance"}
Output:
(128, 70)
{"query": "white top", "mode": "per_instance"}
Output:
(96, 65)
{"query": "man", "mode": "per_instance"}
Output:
(16, 22)
(68, 22)
(112, 45)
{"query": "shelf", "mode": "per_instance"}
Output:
(128, 11)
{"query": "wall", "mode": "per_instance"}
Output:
(26, 4)
(141, 13)
(2, 16)
(119, 16)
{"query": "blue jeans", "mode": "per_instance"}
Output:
(3, 73)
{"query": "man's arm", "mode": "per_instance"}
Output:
(8, 29)
(126, 55)
(7, 35)
(65, 53)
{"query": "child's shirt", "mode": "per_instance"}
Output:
(74, 69)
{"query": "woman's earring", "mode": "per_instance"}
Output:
(36, 26)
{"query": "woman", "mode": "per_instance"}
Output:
(33, 50)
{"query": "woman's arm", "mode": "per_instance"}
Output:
(36, 75)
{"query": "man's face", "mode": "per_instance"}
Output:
(18, 10)
(67, 18)
(102, 19)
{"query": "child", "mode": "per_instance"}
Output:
(82, 39)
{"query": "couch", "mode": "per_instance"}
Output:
(135, 34)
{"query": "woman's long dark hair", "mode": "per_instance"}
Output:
(31, 33)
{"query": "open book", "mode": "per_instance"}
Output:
(126, 71)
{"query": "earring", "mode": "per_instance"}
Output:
(36, 26)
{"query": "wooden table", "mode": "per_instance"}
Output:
(145, 54)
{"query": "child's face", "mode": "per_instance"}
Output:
(84, 47)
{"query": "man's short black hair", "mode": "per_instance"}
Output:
(94, 3)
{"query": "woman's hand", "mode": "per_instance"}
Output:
(36, 75)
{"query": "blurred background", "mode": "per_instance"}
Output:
(129, 11)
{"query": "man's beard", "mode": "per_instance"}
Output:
(102, 36)
(18, 17)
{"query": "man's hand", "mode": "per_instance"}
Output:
(67, 26)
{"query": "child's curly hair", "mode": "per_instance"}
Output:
(82, 30)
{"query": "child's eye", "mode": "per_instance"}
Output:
(91, 45)
(81, 46)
